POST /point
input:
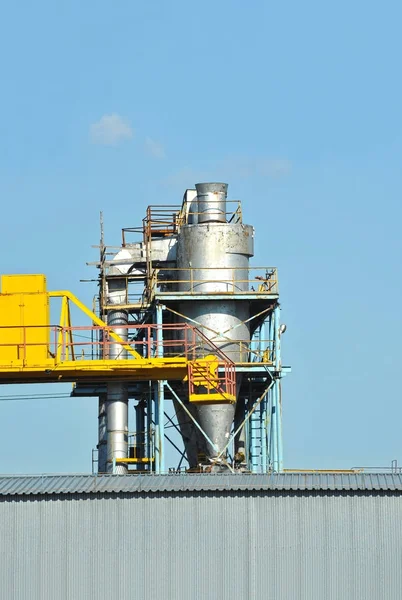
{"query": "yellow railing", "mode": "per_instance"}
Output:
(165, 220)
(221, 280)
(233, 213)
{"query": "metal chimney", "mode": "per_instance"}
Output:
(211, 202)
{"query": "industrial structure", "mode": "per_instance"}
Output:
(181, 320)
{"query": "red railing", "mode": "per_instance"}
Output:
(211, 374)
(95, 342)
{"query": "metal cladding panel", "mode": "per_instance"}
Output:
(24, 322)
(214, 483)
(202, 545)
(14, 284)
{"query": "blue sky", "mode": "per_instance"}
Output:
(114, 106)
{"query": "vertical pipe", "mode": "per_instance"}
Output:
(274, 413)
(263, 414)
(274, 437)
(246, 429)
(161, 411)
(280, 441)
(260, 337)
(277, 321)
(150, 445)
(269, 336)
(117, 395)
(117, 426)
(263, 429)
(155, 389)
(270, 431)
(263, 408)
(140, 433)
(161, 390)
(278, 411)
(102, 435)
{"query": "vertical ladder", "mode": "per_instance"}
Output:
(255, 441)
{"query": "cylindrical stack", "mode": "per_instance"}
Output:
(117, 396)
(211, 202)
(213, 258)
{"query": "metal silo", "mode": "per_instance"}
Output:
(213, 261)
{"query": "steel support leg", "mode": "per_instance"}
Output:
(280, 441)
(274, 436)
(157, 429)
(263, 430)
(160, 406)
(140, 433)
(150, 428)
(102, 435)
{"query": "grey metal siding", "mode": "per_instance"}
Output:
(94, 484)
(202, 545)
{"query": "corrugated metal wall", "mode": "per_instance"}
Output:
(202, 546)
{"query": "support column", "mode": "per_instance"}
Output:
(278, 411)
(263, 407)
(140, 433)
(160, 397)
(280, 441)
(157, 430)
(150, 437)
(263, 429)
(102, 435)
(277, 338)
(274, 430)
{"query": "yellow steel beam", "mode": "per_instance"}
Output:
(32, 361)
(95, 318)
(70, 333)
(100, 370)
(219, 397)
(63, 317)
(133, 460)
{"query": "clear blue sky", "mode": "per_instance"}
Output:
(117, 105)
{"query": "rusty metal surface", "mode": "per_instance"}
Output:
(183, 483)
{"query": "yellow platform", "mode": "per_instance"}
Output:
(32, 350)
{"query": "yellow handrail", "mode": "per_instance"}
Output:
(95, 319)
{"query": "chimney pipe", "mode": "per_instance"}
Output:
(211, 202)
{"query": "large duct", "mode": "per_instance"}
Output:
(117, 397)
(212, 258)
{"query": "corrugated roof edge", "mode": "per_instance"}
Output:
(11, 485)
